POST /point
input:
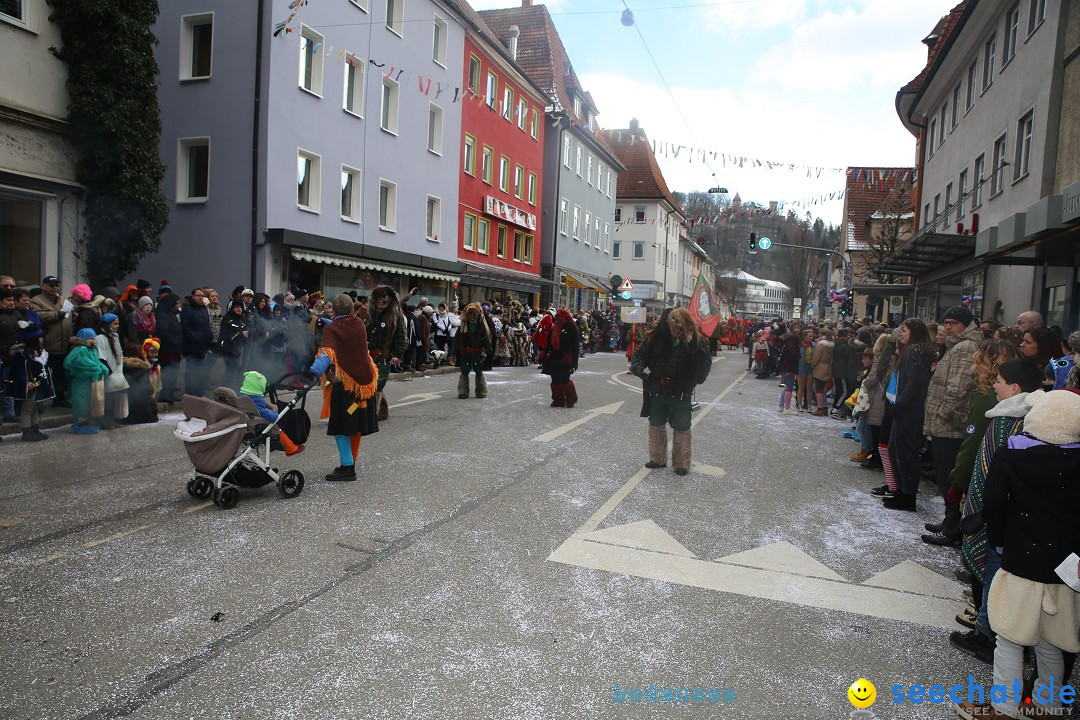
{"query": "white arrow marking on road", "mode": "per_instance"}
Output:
(590, 415)
(414, 399)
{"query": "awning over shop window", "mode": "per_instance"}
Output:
(574, 284)
(486, 275)
(928, 251)
(578, 281)
(363, 264)
(878, 290)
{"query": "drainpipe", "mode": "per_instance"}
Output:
(256, 113)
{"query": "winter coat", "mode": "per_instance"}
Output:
(57, 327)
(789, 354)
(912, 383)
(874, 388)
(195, 323)
(821, 364)
(83, 366)
(26, 369)
(9, 325)
(979, 404)
(854, 362)
(664, 358)
(840, 358)
(1032, 502)
(1006, 418)
(952, 385)
(111, 353)
(169, 332)
(232, 334)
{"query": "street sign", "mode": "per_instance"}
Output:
(797, 302)
(625, 295)
(626, 286)
(659, 294)
(797, 313)
(637, 303)
(764, 243)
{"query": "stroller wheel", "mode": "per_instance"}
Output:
(203, 487)
(226, 497)
(291, 484)
(191, 488)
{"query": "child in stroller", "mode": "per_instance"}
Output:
(254, 387)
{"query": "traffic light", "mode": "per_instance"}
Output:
(845, 307)
(752, 243)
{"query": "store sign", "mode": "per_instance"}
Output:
(1070, 205)
(509, 213)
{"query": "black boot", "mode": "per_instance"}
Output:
(37, 431)
(342, 472)
(28, 435)
(900, 501)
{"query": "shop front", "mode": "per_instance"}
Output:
(481, 282)
(582, 291)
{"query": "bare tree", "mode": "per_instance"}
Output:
(888, 228)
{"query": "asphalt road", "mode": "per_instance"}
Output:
(497, 558)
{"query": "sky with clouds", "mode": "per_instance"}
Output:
(810, 82)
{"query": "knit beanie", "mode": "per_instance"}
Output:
(81, 293)
(144, 301)
(1054, 416)
(108, 318)
(254, 383)
(86, 334)
(959, 313)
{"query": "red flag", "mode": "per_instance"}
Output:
(702, 307)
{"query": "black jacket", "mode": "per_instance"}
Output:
(232, 334)
(912, 382)
(1031, 508)
(195, 321)
(168, 331)
(568, 352)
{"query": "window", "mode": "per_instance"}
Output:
(564, 212)
(438, 41)
(948, 203)
(639, 214)
(14, 9)
(468, 232)
(973, 77)
(616, 251)
(492, 89)
(483, 235)
(943, 124)
(528, 249)
(618, 214)
(1036, 15)
(961, 195)
(504, 174)
(522, 113)
(956, 105)
(508, 102)
(997, 171)
(577, 105)
(388, 116)
(639, 251)
(1012, 34)
(350, 194)
(599, 175)
(474, 74)
(519, 246)
(470, 155)
(519, 181)
(394, 11)
(607, 237)
(196, 40)
(486, 162)
(435, 129)
(532, 188)
(387, 205)
(590, 169)
(311, 60)
(353, 94)
(608, 193)
(308, 171)
(926, 215)
(566, 151)
(534, 124)
(596, 232)
(577, 222)
(588, 227)
(931, 146)
(577, 166)
(433, 218)
(989, 59)
(192, 169)
(500, 246)
(976, 189)
(1023, 146)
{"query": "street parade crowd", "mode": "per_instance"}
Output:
(990, 415)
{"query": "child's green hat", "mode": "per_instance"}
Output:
(254, 383)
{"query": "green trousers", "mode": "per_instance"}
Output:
(667, 410)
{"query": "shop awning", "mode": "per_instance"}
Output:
(485, 275)
(876, 290)
(364, 264)
(574, 282)
(927, 251)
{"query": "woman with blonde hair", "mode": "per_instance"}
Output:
(988, 357)
(473, 345)
(672, 361)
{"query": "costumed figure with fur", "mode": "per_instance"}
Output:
(386, 338)
(560, 360)
(29, 379)
(344, 359)
(672, 361)
(474, 346)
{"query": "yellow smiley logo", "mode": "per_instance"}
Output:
(862, 693)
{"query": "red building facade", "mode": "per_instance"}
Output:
(502, 120)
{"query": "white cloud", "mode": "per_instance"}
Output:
(738, 16)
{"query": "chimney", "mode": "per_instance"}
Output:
(514, 33)
(634, 126)
(526, 3)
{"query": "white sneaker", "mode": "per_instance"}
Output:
(789, 411)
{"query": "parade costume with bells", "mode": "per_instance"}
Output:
(343, 357)
(561, 359)
(386, 338)
(474, 346)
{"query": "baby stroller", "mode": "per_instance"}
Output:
(229, 443)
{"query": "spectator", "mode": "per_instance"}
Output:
(143, 320)
(30, 382)
(195, 323)
(947, 406)
(55, 314)
(1042, 345)
(820, 369)
(840, 363)
(907, 390)
(989, 327)
(1028, 320)
(171, 335)
(9, 327)
(423, 336)
(111, 353)
(234, 336)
